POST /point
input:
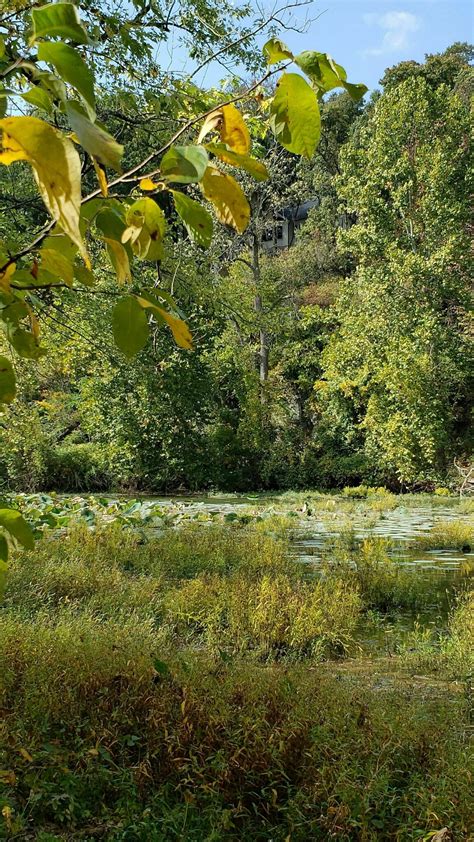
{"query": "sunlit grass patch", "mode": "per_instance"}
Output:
(455, 535)
(271, 616)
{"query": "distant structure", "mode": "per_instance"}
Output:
(281, 232)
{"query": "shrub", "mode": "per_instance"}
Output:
(77, 467)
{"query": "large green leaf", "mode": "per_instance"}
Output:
(198, 220)
(24, 343)
(243, 162)
(275, 50)
(7, 381)
(17, 527)
(130, 326)
(39, 98)
(71, 67)
(58, 20)
(95, 140)
(184, 164)
(326, 74)
(295, 115)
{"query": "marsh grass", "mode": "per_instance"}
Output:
(450, 535)
(172, 689)
(383, 582)
(98, 744)
(451, 653)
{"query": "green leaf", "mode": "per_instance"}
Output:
(184, 164)
(275, 50)
(198, 220)
(71, 67)
(84, 276)
(160, 667)
(57, 265)
(146, 229)
(38, 97)
(17, 527)
(54, 87)
(110, 223)
(295, 115)
(58, 20)
(58, 241)
(356, 92)
(130, 326)
(7, 381)
(95, 140)
(24, 343)
(243, 162)
(326, 74)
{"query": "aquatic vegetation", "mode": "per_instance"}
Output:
(183, 672)
(452, 652)
(382, 580)
(456, 535)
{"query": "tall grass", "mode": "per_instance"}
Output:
(172, 689)
(97, 743)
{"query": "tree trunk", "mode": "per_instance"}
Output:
(258, 306)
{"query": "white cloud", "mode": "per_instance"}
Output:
(397, 28)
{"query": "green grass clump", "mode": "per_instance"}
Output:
(383, 583)
(450, 535)
(269, 616)
(451, 654)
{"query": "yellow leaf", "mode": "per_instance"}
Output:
(228, 198)
(181, 333)
(148, 184)
(34, 324)
(101, 177)
(7, 777)
(5, 277)
(26, 755)
(119, 259)
(211, 123)
(234, 132)
(56, 167)
(7, 815)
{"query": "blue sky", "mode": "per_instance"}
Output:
(366, 36)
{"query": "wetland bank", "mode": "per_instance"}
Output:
(289, 667)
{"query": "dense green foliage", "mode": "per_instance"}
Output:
(346, 359)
